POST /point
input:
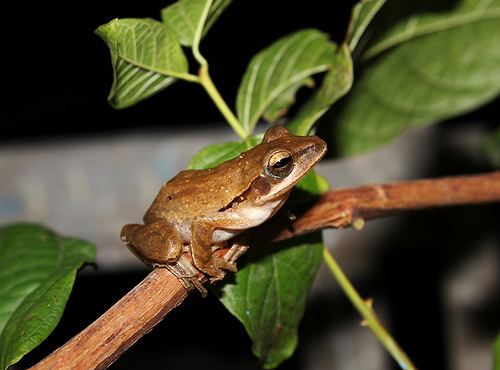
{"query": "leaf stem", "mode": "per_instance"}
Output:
(212, 91)
(206, 81)
(199, 32)
(370, 318)
(188, 77)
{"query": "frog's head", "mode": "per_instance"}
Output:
(286, 159)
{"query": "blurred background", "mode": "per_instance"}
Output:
(68, 160)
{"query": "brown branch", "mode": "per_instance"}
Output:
(97, 346)
(341, 207)
(101, 343)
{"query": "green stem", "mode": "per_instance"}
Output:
(198, 33)
(205, 80)
(366, 311)
(212, 91)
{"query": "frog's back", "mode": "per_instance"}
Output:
(193, 193)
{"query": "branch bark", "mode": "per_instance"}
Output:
(343, 207)
(101, 343)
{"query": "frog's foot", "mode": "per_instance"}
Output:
(188, 275)
(216, 268)
(210, 264)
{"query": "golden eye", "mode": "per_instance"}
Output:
(280, 164)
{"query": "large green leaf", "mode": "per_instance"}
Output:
(37, 271)
(336, 83)
(428, 61)
(362, 14)
(146, 58)
(270, 292)
(279, 70)
(184, 17)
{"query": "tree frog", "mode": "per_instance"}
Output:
(198, 210)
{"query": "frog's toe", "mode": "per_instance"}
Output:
(235, 252)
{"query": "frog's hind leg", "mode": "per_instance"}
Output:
(158, 243)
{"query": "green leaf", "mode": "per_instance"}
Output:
(313, 183)
(362, 14)
(279, 70)
(429, 61)
(37, 271)
(279, 107)
(146, 58)
(496, 353)
(270, 292)
(184, 17)
(215, 154)
(336, 83)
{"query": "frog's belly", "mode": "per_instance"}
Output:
(245, 218)
(234, 221)
(221, 235)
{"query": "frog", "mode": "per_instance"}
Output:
(198, 211)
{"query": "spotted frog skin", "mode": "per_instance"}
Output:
(199, 209)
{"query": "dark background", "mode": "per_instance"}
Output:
(62, 74)
(63, 70)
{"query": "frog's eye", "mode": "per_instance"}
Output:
(280, 164)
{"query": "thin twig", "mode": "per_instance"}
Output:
(97, 346)
(370, 318)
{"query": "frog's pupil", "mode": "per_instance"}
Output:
(283, 162)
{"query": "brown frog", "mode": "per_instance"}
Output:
(198, 209)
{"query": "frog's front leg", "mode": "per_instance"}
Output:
(240, 245)
(201, 250)
(157, 243)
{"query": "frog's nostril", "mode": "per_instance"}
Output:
(317, 147)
